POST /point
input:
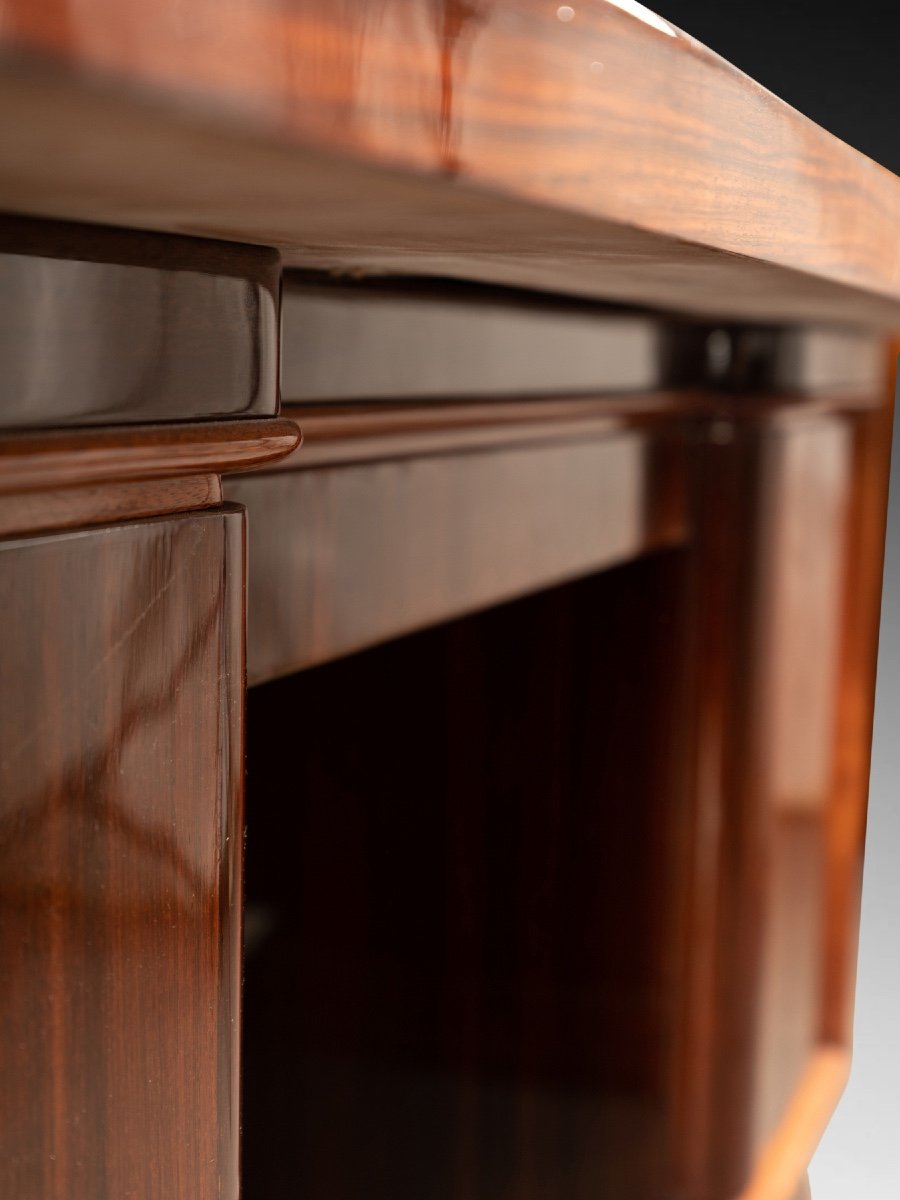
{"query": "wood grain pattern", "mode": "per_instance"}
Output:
(52, 460)
(444, 340)
(342, 557)
(103, 327)
(68, 508)
(492, 140)
(120, 860)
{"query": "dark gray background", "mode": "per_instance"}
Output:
(840, 65)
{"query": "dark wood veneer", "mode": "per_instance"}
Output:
(120, 860)
(789, 526)
(558, 897)
(425, 539)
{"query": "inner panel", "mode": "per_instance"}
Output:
(463, 861)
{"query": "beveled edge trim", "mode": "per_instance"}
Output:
(335, 433)
(52, 460)
(352, 433)
(106, 503)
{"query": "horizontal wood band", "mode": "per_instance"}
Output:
(106, 503)
(414, 341)
(373, 340)
(348, 433)
(345, 556)
(101, 327)
(606, 155)
(784, 1159)
(49, 461)
(343, 433)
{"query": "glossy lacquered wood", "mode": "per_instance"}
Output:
(580, 148)
(448, 341)
(782, 544)
(31, 462)
(414, 340)
(344, 433)
(100, 504)
(121, 692)
(103, 327)
(348, 555)
(790, 528)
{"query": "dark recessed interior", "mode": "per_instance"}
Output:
(462, 905)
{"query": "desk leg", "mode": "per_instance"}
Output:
(790, 579)
(121, 692)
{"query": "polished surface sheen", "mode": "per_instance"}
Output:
(345, 556)
(34, 461)
(439, 342)
(120, 837)
(769, 684)
(592, 148)
(415, 340)
(791, 510)
(100, 327)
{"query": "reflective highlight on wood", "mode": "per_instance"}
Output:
(78, 507)
(37, 462)
(790, 548)
(120, 860)
(764, 685)
(105, 327)
(485, 139)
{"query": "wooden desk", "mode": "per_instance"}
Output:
(560, 625)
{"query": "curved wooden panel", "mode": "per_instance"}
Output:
(591, 148)
(36, 462)
(103, 327)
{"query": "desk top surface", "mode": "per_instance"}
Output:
(591, 148)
